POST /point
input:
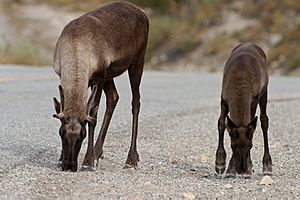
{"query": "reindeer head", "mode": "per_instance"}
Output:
(241, 144)
(72, 131)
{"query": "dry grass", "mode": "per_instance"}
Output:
(176, 28)
(288, 52)
(21, 53)
(278, 17)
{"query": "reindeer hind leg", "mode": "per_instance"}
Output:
(135, 74)
(220, 163)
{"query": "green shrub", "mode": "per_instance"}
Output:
(160, 32)
(293, 62)
(24, 53)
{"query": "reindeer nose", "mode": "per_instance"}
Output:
(69, 167)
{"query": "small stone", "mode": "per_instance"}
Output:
(189, 196)
(204, 158)
(266, 180)
(228, 186)
(147, 183)
(137, 198)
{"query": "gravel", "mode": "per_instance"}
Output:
(177, 141)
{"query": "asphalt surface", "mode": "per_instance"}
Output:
(177, 141)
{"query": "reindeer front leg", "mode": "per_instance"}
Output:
(59, 108)
(267, 161)
(112, 98)
(221, 154)
(89, 159)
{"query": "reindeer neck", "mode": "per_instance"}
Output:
(75, 86)
(240, 111)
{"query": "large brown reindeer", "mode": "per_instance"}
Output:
(90, 52)
(245, 85)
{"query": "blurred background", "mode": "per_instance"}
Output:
(185, 35)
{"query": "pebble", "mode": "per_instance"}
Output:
(266, 180)
(189, 196)
(228, 186)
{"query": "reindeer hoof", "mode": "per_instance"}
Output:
(267, 169)
(230, 175)
(132, 160)
(129, 166)
(267, 173)
(87, 168)
(97, 161)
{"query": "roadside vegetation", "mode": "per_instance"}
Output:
(21, 53)
(180, 30)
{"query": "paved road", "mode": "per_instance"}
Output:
(177, 141)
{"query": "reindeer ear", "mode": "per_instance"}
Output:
(60, 116)
(62, 97)
(91, 102)
(91, 120)
(252, 124)
(251, 128)
(232, 128)
(56, 105)
(230, 123)
(59, 107)
(91, 106)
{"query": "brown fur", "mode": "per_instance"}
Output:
(91, 51)
(244, 86)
